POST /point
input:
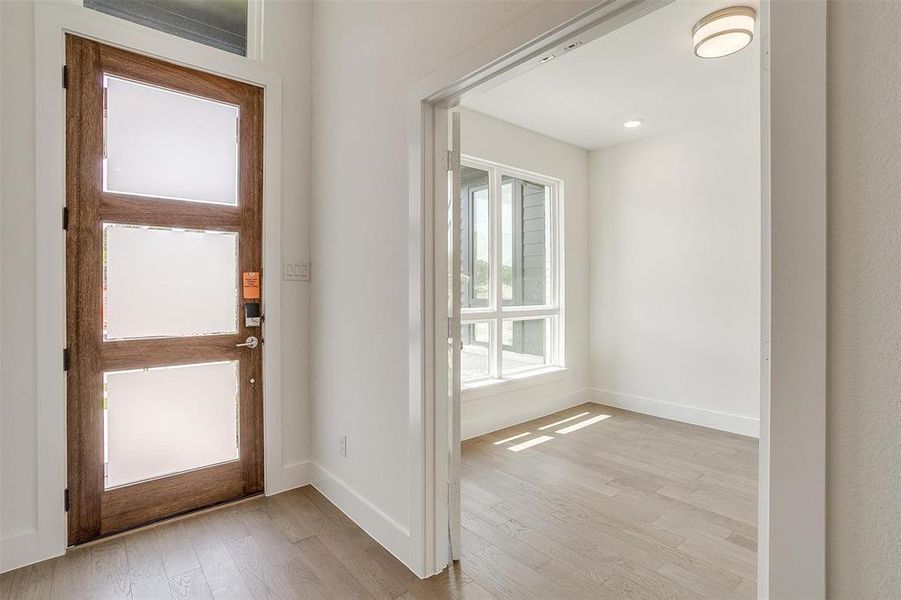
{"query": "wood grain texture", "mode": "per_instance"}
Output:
(158, 352)
(156, 499)
(84, 285)
(630, 507)
(190, 585)
(138, 67)
(122, 208)
(636, 506)
(95, 511)
(28, 583)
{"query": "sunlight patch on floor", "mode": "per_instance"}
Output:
(510, 439)
(562, 421)
(546, 438)
(533, 442)
(581, 424)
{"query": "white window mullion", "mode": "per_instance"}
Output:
(550, 334)
(553, 274)
(556, 229)
(495, 272)
(510, 312)
(529, 311)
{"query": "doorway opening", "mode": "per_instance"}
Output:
(163, 263)
(628, 442)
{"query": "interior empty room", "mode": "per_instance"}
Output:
(441, 299)
(610, 286)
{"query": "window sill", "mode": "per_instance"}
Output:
(527, 379)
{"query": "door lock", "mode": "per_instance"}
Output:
(251, 342)
(252, 315)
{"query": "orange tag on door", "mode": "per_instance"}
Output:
(251, 284)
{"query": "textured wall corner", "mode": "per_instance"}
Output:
(864, 405)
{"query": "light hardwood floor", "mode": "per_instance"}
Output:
(629, 506)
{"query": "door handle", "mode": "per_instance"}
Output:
(251, 342)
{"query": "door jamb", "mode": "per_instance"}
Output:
(52, 22)
(791, 500)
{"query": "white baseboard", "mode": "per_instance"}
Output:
(679, 412)
(289, 477)
(501, 419)
(18, 550)
(393, 536)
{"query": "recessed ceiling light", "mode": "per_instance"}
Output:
(724, 32)
(632, 123)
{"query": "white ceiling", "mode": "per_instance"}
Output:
(644, 70)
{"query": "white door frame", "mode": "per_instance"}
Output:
(791, 547)
(52, 22)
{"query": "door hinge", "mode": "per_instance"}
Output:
(66, 499)
(66, 218)
(451, 160)
(65, 359)
(65, 77)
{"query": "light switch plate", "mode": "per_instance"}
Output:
(296, 271)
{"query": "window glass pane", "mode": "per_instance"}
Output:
(476, 354)
(507, 241)
(218, 23)
(169, 145)
(526, 254)
(527, 345)
(168, 282)
(476, 231)
(167, 420)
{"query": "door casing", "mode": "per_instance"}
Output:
(791, 511)
(52, 22)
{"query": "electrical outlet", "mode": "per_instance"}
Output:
(342, 445)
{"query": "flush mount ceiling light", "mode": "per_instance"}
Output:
(632, 123)
(724, 32)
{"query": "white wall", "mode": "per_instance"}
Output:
(487, 409)
(288, 50)
(18, 469)
(368, 56)
(863, 480)
(675, 274)
(287, 38)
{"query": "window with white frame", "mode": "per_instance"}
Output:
(510, 315)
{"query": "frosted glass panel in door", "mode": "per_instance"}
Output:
(168, 282)
(167, 420)
(169, 145)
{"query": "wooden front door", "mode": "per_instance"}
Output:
(163, 267)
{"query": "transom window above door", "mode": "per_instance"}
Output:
(510, 312)
(221, 24)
